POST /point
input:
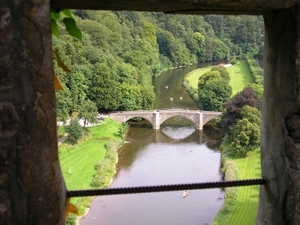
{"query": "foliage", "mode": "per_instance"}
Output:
(211, 97)
(88, 112)
(123, 129)
(71, 220)
(245, 136)
(121, 52)
(252, 114)
(208, 77)
(68, 21)
(212, 91)
(223, 72)
(234, 106)
(105, 168)
(255, 69)
(74, 130)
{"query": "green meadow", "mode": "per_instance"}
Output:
(239, 74)
(247, 198)
(78, 161)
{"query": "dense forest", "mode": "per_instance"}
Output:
(121, 52)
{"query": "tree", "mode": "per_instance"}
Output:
(106, 93)
(74, 130)
(252, 114)
(234, 106)
(88, 111)
(223, 72)
(245, 136)
(221, 50)
(207, 77)
(213, 95)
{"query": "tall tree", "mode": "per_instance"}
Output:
(213, 95)
(88, 112)
(74, 130)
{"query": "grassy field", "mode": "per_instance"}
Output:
(239, 73)
(78, 161)
(240, 76)
(194, 75)
(61, 130)
(247, 199)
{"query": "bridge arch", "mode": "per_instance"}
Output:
(165, 116)
(157, 117)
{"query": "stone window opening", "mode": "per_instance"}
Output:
(32, 190)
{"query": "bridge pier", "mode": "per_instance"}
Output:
(156, 120)
(199, 121)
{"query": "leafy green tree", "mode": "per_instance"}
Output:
(208, 77)
(88, 112)
(74, 130)
(252, 114)
(245, 136)
(213, 95)
(221, 50)
(223, 72)
(128, 98)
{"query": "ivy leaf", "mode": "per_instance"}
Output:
(57, 84)
(70, 208)
(59, 61)
(54, 28)
(67, 13)
(55, 15)
(72, 28)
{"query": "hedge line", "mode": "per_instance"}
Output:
(105, 169)
(230, 172)
(255, 70)
(192, 92)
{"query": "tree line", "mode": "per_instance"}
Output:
(122, 52)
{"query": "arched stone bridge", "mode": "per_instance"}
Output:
(157, 117)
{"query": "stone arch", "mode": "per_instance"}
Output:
(124, 117)
(190, 118)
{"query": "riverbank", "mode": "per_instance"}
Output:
(78, 161)
(238, 201)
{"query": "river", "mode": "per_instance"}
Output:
(175, 154)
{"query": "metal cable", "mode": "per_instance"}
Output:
(163, 188)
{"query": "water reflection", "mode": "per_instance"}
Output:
(172, 155)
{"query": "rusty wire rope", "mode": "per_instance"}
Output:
(164, 188)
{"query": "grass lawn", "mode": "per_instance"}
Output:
(239, 73)
(240, 76)
(247, 200)
(78, 161)
(61, 130)
(194, 75)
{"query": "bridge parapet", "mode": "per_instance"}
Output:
(157, 117)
